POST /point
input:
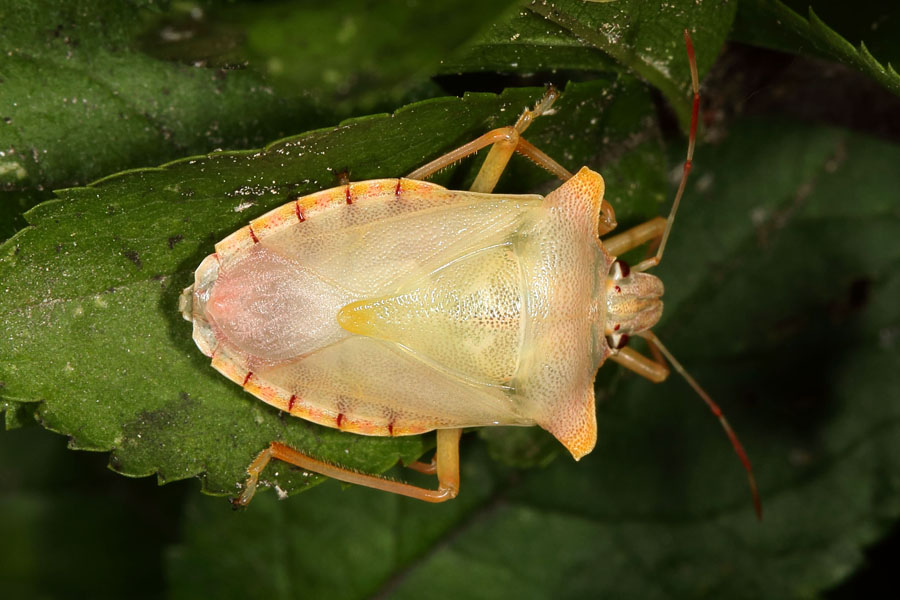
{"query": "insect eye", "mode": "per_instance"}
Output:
(618, 340)
(620, 269)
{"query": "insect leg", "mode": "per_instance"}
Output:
(502, 135)
(500, 153)
(446, 456)
(429, 468)
(503, 141)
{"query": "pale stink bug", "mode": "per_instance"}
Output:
(396, 307)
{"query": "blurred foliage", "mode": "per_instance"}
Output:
(772, 24)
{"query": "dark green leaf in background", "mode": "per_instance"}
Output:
(69, 531)
(642, 37)
(872, 22)
(350, 60)
(772, 24)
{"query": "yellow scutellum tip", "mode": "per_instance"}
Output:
(357, 317)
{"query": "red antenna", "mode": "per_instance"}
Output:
(654, 260)
(714, 408)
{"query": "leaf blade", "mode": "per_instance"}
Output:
(102, 267)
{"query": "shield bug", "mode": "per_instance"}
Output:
(396, 307)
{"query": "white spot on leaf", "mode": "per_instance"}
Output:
(12, 171)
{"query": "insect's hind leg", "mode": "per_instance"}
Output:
(504, 142)
(446, 461)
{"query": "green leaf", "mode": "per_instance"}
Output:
(782, 276)
(91, 87)
(107, 99)
(345, 55)
(876, 22)
(772, 24)
(17, 415)
(574, 35)
(91, 287)
(77, 101)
